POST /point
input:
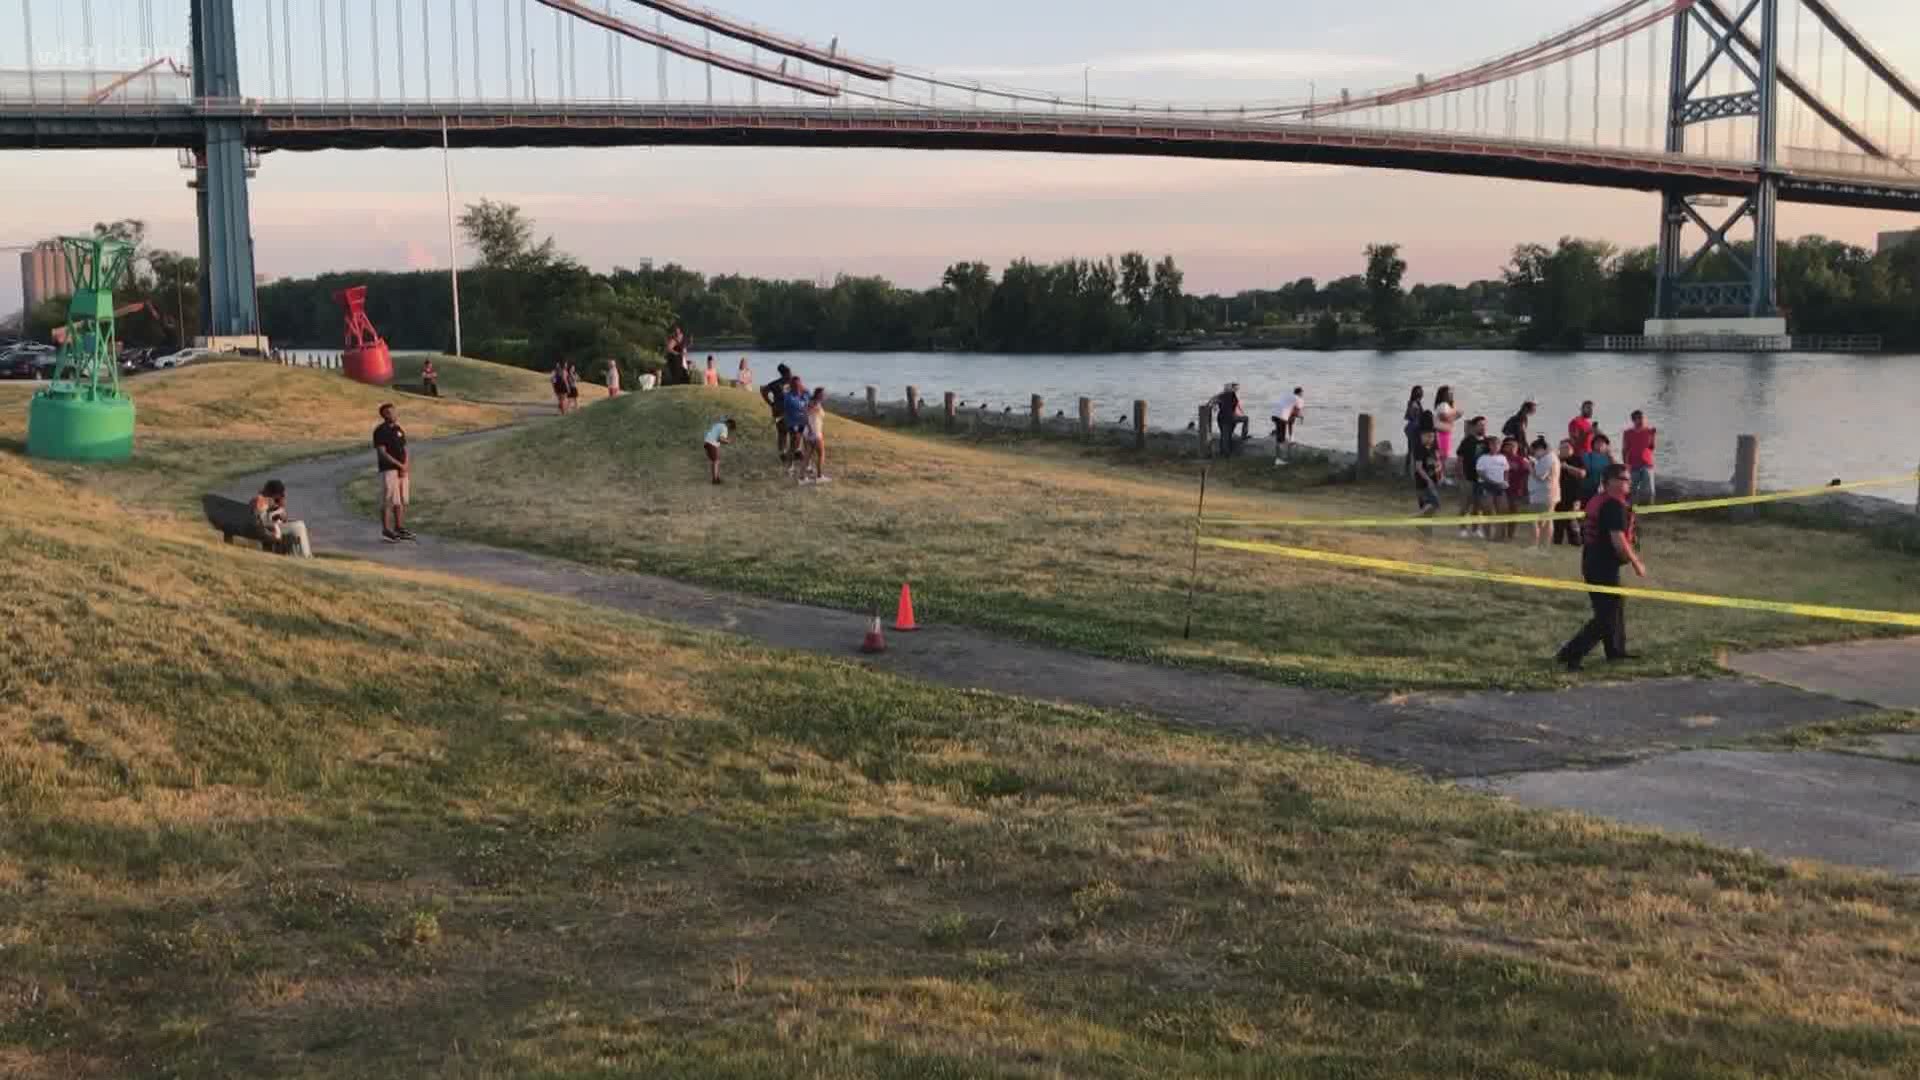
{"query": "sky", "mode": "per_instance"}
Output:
(903, 214)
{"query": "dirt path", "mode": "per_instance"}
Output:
(1486, 734)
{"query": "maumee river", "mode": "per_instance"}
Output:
(1818, 416)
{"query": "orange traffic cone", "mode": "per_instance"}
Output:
(903, 621)
(876, 641)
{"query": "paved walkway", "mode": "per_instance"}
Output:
(1449, 735)
(1884, 673)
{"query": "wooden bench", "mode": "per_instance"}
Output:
(231, 519)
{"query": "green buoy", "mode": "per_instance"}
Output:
(84, 415)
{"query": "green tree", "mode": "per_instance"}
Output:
(969, 293)
(1386, 300)
(503, 236)
(1169, 296)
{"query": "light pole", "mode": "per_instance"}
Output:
(453, 247)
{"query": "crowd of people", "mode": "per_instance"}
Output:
(1517, 471)
(1520, 474)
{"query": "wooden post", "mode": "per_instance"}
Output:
(949, 406)
(873, 401)
(1746, 466)
(913, 404)
(1039, 408)
(1086, 416)
(1139, 425)
(1205, 428)
(1364, 461)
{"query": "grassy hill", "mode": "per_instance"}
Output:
(268, 818)
(481, 380)
(1087, 550)
(210, 421)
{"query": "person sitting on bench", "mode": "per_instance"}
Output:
(270, 512)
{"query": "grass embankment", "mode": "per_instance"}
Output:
(264, 818)
(1091, 550)
(209, 422)
(482, 380)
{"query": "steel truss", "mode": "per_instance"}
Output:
(1753, 52)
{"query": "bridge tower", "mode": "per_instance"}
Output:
(226, 232)
(1749, 43)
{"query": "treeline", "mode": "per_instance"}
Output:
(529, 304)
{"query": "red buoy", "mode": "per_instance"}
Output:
(365, 358)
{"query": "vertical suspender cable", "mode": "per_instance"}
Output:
(373, 36)
(273, 68)
(326, 66)
(478, 92)
(559, 55)
(573, 61)
(659, 27)
(400, 49)
(1566, 73)
(286, 42)
(93, 65)
(1653, 87)
(33, 84)
(526, 63)
(453, 44)
(506, 45)
(709, 68)
(1799, 25)
(1539, 103)
(346, 57)
(611, 38)
(1626, 78)
(1597, 55)
(426, 45)
(753, 85)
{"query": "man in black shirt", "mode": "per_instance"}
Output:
(396, 463)
(1609, 547)
(775, 395)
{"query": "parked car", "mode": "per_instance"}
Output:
(31, 360)
(184, 356)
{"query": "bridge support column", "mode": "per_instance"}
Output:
(1753, 52)
(226, 228)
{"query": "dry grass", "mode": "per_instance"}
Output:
(263, 818)
(481, 380)
(1091, 550)
(213, 421)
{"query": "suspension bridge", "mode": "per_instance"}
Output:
(1736, 103)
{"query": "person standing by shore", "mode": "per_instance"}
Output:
(711, 376)
(1580, 430)
(613, 378)
(1426, 476)
(1472, 445)
(793, 409)
(1573, 478)
(1286, 413)
(1609, 546)
(1445, 413)
(743, 379)
(395, 463)
(1641, 439)
(1415, 417)
(1543, 492)
(816, 438)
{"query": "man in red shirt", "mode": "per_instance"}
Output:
(1641, 439)
(1580, 429)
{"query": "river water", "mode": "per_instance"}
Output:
(1818, 416)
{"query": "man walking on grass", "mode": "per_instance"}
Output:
(1609, 547)
(396, 463)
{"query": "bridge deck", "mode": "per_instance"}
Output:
(348, 125)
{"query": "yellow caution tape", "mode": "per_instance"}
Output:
(1568, 515)
(1362, 562)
